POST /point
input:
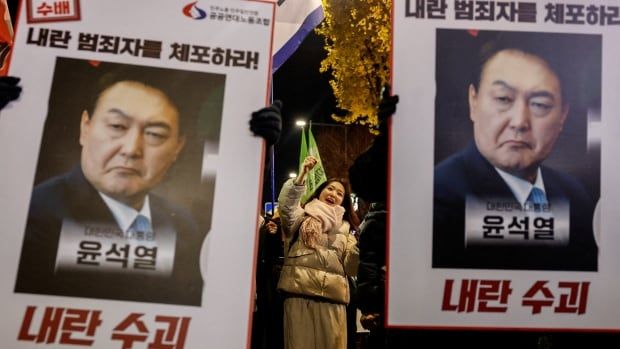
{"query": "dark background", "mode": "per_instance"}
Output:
(12, 9)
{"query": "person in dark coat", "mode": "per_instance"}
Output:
(368, 177)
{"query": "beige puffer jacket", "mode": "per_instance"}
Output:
(317, 272)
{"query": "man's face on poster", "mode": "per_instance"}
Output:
(517, 111)
(130, 141)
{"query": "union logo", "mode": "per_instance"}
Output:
(193, 11)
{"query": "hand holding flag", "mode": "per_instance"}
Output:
(309, 164)
(313, 176)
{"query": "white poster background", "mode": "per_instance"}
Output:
(228, 255)
(415, 289)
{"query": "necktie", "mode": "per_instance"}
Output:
(537, 199)
(141, 225)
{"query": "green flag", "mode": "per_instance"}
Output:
(317, 176)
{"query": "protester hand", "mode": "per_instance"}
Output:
(271, 227)
(267, 122)
(387, 107)
(371, 321)
(308, 164)
(9, 90)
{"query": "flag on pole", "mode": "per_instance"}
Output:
(319, 171)
(294, 21)
(316, 176)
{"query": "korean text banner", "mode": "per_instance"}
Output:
(504, 192)
(130, 185)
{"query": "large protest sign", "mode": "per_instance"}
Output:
(130, 185)
(503, 194)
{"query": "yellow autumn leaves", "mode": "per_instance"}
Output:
(357, 40)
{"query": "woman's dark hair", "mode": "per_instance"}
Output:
(349, 212)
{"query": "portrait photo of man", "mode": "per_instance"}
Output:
(118, 207)
(517, 174)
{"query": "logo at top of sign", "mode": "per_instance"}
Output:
(193, 11)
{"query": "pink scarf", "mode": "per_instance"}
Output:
(320, 219)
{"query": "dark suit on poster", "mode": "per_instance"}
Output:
(469, 173)
(72, 196)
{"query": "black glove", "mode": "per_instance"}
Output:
(9, 90)
(267, 122)
(387, 107)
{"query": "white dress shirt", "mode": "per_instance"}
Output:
(125, 215)
(521, 188)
